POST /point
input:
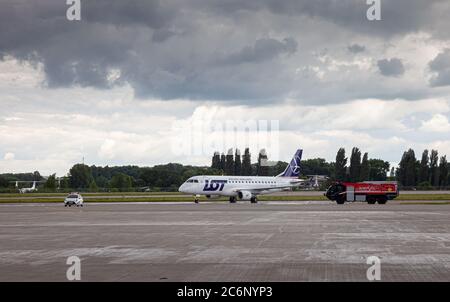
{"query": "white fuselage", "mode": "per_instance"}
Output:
(216, 185)
(28, 190)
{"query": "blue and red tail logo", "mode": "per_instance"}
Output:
(293, 169)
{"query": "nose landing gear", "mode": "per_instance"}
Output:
(196, 198)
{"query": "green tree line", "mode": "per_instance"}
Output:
(358, 169)
(431, 171)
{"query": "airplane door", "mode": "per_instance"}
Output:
(200, 185)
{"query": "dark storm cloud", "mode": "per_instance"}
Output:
(162, 35)
(204, 49)
(152, 13)
(34, 23)
(77, 53)
(398, 16)
(262, 50)
(356, 48)
(391, 67)
(440, 66)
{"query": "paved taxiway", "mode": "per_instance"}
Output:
(269, 241)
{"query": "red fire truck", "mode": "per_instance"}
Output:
(369, 191)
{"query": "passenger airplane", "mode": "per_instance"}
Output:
(27, 190)
(244, 187)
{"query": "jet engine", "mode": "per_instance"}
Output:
(244, 195)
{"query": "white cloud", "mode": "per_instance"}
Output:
(20, 74)
(9, 156)
(438, 123)
(140, 132)
(107, 149)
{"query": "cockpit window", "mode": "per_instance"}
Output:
(192, 180)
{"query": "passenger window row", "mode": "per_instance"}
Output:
(252, 181)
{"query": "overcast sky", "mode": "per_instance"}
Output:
(111, 87)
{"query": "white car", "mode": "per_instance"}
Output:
(73, 199)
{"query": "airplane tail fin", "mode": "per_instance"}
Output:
(293, 169)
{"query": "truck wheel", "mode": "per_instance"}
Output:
(382, 200)
(340, 200)
(371, 200)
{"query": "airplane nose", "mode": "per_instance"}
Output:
(180, 189)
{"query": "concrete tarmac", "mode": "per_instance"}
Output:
(269, 241)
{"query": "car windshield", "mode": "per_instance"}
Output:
(72, 196)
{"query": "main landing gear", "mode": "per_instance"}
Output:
(252, 199)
